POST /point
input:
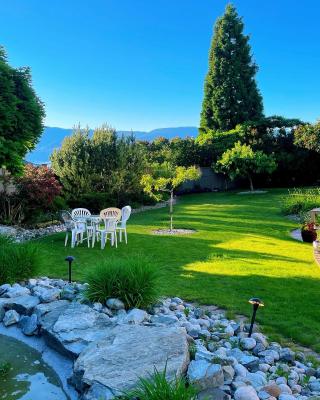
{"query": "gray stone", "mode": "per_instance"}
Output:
(2, 312)
(205, 375)
(250, 362)
(96, 392)
(97, 306)
(287, 355)
(228, 373)
(70, 329)
(16, 290)
(240, 370)
(128, 352)
(11, 317)
(255, 379)
(136, 316)
(213, 394)
(246, 393)
(23, 304)
(284, 396)
(314, 386)
(164, 319)
(247, 343)
(46, 294)
(260, 338)
(44, 308)
(29, 325)
(4, 288)
(115, 304)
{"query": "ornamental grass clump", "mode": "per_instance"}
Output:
(132, 280)
(18, 261)
(157, 387)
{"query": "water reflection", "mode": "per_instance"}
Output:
(29, 377)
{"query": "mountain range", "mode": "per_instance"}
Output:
(52, 138)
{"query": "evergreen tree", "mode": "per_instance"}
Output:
(21, 115)
(231, 95)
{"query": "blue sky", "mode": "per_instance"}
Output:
(140, 64)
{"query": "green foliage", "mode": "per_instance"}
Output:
(18, 261)
(242, 161)
(103, 163)
(21, 115)
(231, 95)
(34, 196)
(157, 387)
(299, 201)
(308, 136)
(132, 280)
(167, 177)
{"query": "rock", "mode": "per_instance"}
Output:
(164, 319)
(284, 396)
(70, 329)
(285, 388)
(287, 355)
(128, 352)
(255, 379)
(11, 317)
(67, 294)
(2, 312)
(29, 325)
(136, 316)
(246, 393)
(4, 288)
(46, 294)
(205, 375)
(44, 308)
(314, 386)
(115, 304)
(23, 304)
(260, 338)
(272, 389)
(247, 343)
(240, 370)
(97, 391)
(16, 290)
(228, 374)
(250, 362)
(97, 306)
(213, 394)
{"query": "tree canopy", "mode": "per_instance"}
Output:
(242, 161)
(21, 115)
(231, 95)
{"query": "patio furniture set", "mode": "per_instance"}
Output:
(96, 228)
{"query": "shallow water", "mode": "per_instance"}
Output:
(29, 377)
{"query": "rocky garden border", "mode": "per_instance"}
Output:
(110, 347)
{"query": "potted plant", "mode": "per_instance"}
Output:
(308, 233)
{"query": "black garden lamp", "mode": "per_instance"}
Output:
(256, 304)
(69, 259)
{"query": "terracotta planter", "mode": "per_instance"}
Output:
(308, 235)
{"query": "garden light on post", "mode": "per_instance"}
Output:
(69, 259)
(256, 304)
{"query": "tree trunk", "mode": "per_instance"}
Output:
(171, 210)
(251, 184)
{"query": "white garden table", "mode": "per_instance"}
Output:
(92, 223)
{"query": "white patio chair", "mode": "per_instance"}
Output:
(80, 214)
(111, 212)
(125, 215)
(110, 226)
(67, 220)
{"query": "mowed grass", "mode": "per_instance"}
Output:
(242, 249)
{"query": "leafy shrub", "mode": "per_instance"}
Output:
(298, 201)
(157, 387)
(17, 261)
(5, 367)
(134, 281)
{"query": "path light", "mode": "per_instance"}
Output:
(69, 259)
(256, 304)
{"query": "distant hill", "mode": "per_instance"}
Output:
(52, 138)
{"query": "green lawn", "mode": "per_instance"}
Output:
(242, 248)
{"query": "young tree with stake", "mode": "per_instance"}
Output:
(167, 177)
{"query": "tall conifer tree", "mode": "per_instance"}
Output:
(231, 95)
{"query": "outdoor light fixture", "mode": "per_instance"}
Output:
(256, 304)
(69, 259)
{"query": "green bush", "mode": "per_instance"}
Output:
(134, 281)
(17, 261)
(298, 201)
(157, 387)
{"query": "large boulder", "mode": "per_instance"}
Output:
(69, 329)
(23, 304)
(128, 352)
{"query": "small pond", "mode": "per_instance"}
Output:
(29, 378)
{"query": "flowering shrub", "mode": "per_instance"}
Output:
(38, 187)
